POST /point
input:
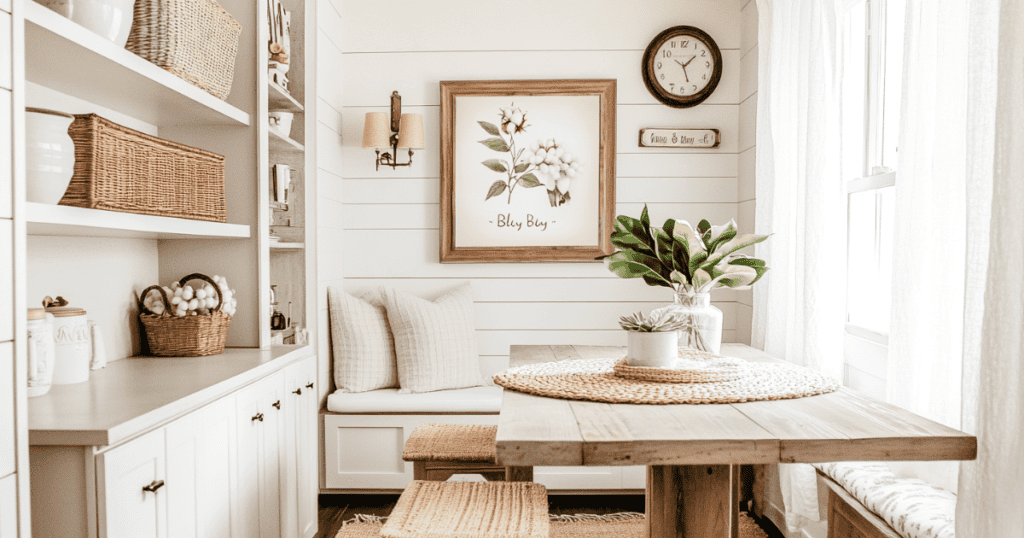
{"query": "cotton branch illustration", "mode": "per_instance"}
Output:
(542, 163)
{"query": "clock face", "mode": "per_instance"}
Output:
(682, 66)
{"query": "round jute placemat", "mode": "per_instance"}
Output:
(595, 380)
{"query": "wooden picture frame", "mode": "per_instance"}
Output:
(484, 222)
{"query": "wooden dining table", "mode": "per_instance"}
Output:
(693, 452)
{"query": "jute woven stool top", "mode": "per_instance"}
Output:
(451, 443)
(596, 380)
(469, 510)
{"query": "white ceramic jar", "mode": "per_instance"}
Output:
(281, 121)
(40, 352)
(72, 344)
(49, 155)
(111, 19)
(652, 349)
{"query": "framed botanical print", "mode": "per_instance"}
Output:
(527, 170)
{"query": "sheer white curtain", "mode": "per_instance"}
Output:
(800, 307)
(925, 333)
(993, 352)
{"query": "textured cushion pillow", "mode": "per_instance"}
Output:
(364, 350)
(435, 342)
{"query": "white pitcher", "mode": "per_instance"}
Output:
(76, 351)
(40, 352)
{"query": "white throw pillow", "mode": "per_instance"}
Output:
(435, 342)
(364, 350)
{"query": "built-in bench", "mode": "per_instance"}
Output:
(868, 501)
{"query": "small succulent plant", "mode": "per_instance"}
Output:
(657, 322)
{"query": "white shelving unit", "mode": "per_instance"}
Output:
(279, 99)
(70, 59)
(287, 246)
(46, 219)
(283, 144)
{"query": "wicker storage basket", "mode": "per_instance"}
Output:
(187, 336)
(194, 39)
(119, 169)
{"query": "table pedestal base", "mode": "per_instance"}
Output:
(693, 501)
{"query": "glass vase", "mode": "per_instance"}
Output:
(703, 320)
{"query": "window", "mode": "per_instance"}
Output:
(872, 50)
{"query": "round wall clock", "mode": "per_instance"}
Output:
(682, 66)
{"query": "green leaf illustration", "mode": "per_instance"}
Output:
(497, 188)
(495, 164)
(521, 167)
(497, 144)
(491, 128)
(529, 181)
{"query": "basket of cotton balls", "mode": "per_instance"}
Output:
(186, 321)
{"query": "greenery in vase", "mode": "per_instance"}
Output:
(687, 259)
(657, 322)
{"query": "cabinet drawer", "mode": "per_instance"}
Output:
(132, 500)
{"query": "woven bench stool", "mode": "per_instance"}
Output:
(439, 451)
(469, 510)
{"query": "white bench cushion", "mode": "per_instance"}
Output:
(913, 508)
(457, 401)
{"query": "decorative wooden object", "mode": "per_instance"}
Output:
(450, 249)
(685, 440)
(673, 52)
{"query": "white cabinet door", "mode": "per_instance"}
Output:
(259, 426)
(132, 498)
(299, 472)
(201, 486)
(9, 507)
(6, 405)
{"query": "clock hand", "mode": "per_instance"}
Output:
(688, 61)
(680, 63)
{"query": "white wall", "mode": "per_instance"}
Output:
(748, 148)
(390, 217)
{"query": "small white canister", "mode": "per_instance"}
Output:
(40, 352)
(71, 342)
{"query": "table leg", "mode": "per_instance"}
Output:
(693, 501)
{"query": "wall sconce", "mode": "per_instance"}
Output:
(404, 131)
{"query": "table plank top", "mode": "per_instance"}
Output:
(840, 426)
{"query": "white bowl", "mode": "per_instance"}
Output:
(111, 19)
(281, 121)
(49, 155)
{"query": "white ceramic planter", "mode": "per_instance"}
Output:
(655, 350)
(49, 155)
(281, 121)
(111, 19)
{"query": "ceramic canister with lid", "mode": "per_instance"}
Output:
(40, 352)
(71, 343)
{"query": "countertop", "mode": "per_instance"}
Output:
(131, 396)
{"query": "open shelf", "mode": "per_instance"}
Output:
(283, 144)
(287, 246)
(47, 219)
(279, 99)
(70, 59)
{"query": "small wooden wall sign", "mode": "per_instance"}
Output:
(679, 138)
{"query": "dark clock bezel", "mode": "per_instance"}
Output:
(647, 67)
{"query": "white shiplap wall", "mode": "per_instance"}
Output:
(390, 217)
(747, 148)
(329, 210)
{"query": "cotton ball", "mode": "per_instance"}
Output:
(192, 312)
(563, 167)
(193, 304)
(188, 293)
(574, 165)
(201, 293)
(571, 173)
(157, 309)
(564, 184)
(179, 312)
(534, 146)
(175, 300)
(178, 292)
(175, 285)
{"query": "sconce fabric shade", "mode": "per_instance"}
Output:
(377, 130)
(411, 133)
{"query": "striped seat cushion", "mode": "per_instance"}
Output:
(469, 510)
(913, 508)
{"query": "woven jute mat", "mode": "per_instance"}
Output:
(469, 509)
(595, 380)
(451, 443)
(625, 525)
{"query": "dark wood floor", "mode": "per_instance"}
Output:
(336, 509)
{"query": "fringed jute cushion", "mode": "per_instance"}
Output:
(469, 510)
(451, 443)
(912, 507)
